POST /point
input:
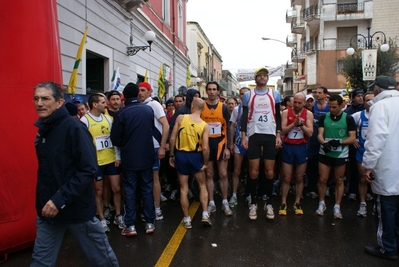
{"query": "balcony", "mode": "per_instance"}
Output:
(291, 40)
(297, 27)
(291, 66)
(348, 11)
(296, 2)
(223, 85)
(290, 15)
(298, 57)
(309, 47)
(311, 13)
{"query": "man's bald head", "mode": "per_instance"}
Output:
(197, 104)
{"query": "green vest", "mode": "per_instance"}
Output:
(335, 130)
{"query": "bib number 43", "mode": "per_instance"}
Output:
(262, 118)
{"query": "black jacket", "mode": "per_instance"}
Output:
(132, 131)
(67, 167)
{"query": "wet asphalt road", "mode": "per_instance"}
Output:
(306, 240)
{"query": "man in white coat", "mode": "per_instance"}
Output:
(381, 163)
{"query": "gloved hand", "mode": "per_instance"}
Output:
(326, 147)
(334, 143)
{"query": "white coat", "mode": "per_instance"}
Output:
(382, 143)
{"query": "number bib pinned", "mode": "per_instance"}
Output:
(103, 142)
(215, 128)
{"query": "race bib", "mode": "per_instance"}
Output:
(103, 142)
(295, 133)
(215, 128)
(364, 133)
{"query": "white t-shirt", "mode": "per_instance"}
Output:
(158, 113)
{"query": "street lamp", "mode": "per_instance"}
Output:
(369, 55)
(294, 50)
(149, 36)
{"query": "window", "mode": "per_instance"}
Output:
(340, 65)
(166, 11)
(344, 35)
(180, 20)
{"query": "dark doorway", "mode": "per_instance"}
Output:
(94, 73)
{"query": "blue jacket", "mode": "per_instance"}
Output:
(132, 131)
(67, 167)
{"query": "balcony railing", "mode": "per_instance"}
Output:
(312, 12)
(350, 8)
(309, 47)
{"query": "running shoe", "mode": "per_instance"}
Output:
(269, 211)
(233, 202)
(362, 212)
(173, 195)
(352, 196)
(149, 228)
(369, 197)
(337, 213)
(187, 224)
(105, 225)
(252, 212)
(163, 198)
(129, 231)
(313, 195)
(298, 209)
(226, 209)
(158, 215)
(118, 220)
(206, 220)
(107, 213)
(321, 209)
(283, 209)
(211, 209)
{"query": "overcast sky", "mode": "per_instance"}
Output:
(236, 28)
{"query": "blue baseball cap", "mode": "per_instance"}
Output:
(78, 99)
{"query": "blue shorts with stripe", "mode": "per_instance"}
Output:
(188, 163)
(294, 154)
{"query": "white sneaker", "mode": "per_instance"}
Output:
(327, 192)
(369, 197)
(248, 200)
(352, 196)
(118, 220)
(320, 210)
(105, 225)
(173, 195)
(158, 215)
(226, 209)
(362, 212)
(211, 209)
(187, 224)
(206, 220)
(163, 198)
(252, 212)
(269, 211)
(337, 213)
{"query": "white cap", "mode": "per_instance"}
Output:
(309, 96)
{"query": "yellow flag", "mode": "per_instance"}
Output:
(146, 76)
(74, 76)
(161, 82)
(348, 85)
(188, 77)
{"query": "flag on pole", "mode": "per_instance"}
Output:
(348, 86)
(146, 76)
(161, 82)
(188, 77)
(116, 83)
(74, 76)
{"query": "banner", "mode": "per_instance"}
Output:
(74, 76)
(300, 79)
(161, 82)
(369, 64)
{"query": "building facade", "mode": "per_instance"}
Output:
(321, 31)
(113, 25)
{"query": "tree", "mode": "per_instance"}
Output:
(387, 64)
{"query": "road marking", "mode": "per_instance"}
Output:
(170, 250)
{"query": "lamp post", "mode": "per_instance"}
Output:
(369, 55)
(149, 36)
(294, 50)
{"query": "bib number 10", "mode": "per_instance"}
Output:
(103, 142)
(263, 118)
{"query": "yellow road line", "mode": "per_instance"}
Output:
(170, 250)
